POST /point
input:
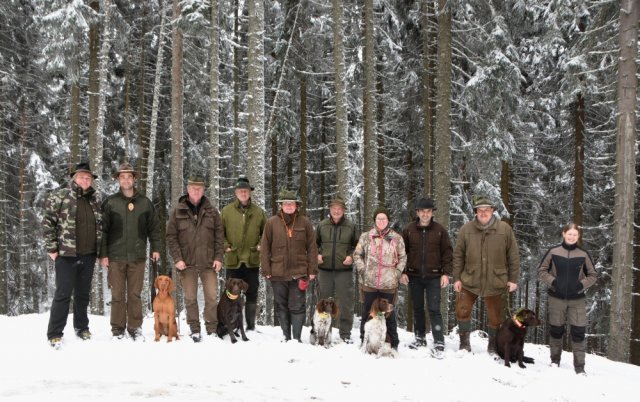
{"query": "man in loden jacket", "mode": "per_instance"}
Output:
(337, 238)
(429, 256)
(243, 222)
(289, 259)
(129, 219)
(195, 239)
(486, 263)
(72, 228)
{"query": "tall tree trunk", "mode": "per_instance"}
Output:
(622, 272)
(97, 290)
(370, 172)
(143, 139)
(427, 94)
(256, 141)
(578, 170)
(177, 97)
(23, 255)
(127, 104)
(505, 189)
(635, 325)
(236, 92)
(303, 144)
(442, 165)
(94, 82)
(74, 155)
(214, 133)
(342, 127)
(380, 182)
(274, 172)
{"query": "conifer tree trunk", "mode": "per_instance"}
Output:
(370, 172)
(578, 170)
(74, 155)
(214, 134)
(442, 165)
(622, 273)
(427, 98)
(342, 161)
(303, 144)
(94, 83)
(380, 182)
(236, 91)
(143, 138)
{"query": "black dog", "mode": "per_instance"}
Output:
(230, 309)
(510, 337)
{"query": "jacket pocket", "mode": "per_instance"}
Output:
(468, 274)
(499, 277)
(231, 258)
(254, 256)
(277, 266)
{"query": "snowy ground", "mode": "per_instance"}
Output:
(264, 369)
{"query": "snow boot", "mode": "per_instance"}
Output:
(283, 319)
(297, 321)
(555, 348)
(250, 316)
(578, 356)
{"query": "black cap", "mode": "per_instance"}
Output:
(425, 203)
(243, 182)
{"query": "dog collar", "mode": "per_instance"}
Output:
(518, 323)
(231, 295)
(324, 315)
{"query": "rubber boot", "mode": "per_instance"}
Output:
(464, 341)
(555, 348)
(297, 321)
(250, 316)
(578, 356)
(283, 319)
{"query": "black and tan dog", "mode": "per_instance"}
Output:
(511, 334)
(230, 309)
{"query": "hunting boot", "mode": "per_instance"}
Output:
(250, 316)
(464, 341)
(297, 320)
(578, 356)
(283, 320)
(555, 347)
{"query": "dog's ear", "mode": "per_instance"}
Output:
(155, 283)
(245, 286)
(320, 306)
(171, 286)
(334, 309)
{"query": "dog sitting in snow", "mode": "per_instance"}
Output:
(325, 312)
(230, 309)
(164, 310)
(375, 329)
(511, 334)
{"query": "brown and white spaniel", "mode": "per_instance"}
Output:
(325, 312)
(375, 329)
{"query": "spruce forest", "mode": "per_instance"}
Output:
(533, 102)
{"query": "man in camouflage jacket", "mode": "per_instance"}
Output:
(72, 227)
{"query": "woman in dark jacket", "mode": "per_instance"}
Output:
(568, 271)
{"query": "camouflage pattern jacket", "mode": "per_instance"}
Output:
(380, 259)
(59, 221)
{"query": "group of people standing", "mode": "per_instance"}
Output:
(289, 252)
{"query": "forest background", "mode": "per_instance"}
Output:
(533, 102)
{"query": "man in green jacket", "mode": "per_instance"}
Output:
(243, 223)
(337, 238)
(129, 219)
(486, 263)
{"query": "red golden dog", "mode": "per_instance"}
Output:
(164, 309)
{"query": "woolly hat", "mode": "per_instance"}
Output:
(381, 210)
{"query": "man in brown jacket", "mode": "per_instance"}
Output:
(289, 259)
(195, 239)
(486, 263)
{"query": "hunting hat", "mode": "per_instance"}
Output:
(243, 182)
(196, 180)
(287, 195)
(381, 210)
(338, 201)
(425, 203)
(481, 201)
(126, 168)
(83, 167)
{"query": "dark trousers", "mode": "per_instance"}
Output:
(249, 275)
(288, 297)
(339, 285)
(392, 324)
(73, 276)
(431, 286)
